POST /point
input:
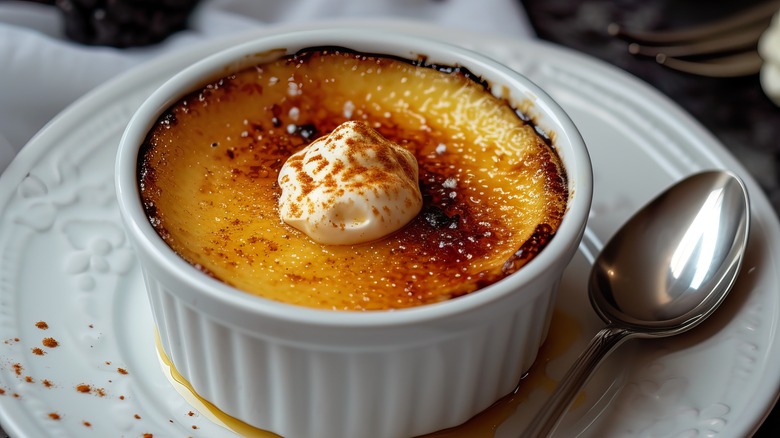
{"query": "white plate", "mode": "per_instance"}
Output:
(64, 260)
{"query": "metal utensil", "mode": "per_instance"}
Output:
(664, 272)
(726, 47)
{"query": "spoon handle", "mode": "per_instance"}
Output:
(551, 413)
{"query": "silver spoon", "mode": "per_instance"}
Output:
(665, 271)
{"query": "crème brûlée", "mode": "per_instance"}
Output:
(493, 188)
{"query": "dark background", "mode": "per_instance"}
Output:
(735, 110)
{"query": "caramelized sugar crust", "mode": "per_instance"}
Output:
(494, 191)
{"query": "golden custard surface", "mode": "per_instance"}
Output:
(494, 191)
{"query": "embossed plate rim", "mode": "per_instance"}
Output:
(702, 151)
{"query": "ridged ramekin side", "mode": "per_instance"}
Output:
(411, 388)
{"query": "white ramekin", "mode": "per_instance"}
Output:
(303, 372)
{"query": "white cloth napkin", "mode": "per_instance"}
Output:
(42, 72)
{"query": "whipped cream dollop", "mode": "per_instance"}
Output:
(769, 49)
(350, 186)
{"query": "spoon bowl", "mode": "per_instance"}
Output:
(665, 271)
(673, 263)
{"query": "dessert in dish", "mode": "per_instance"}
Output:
(492, 186)
(212, 190)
